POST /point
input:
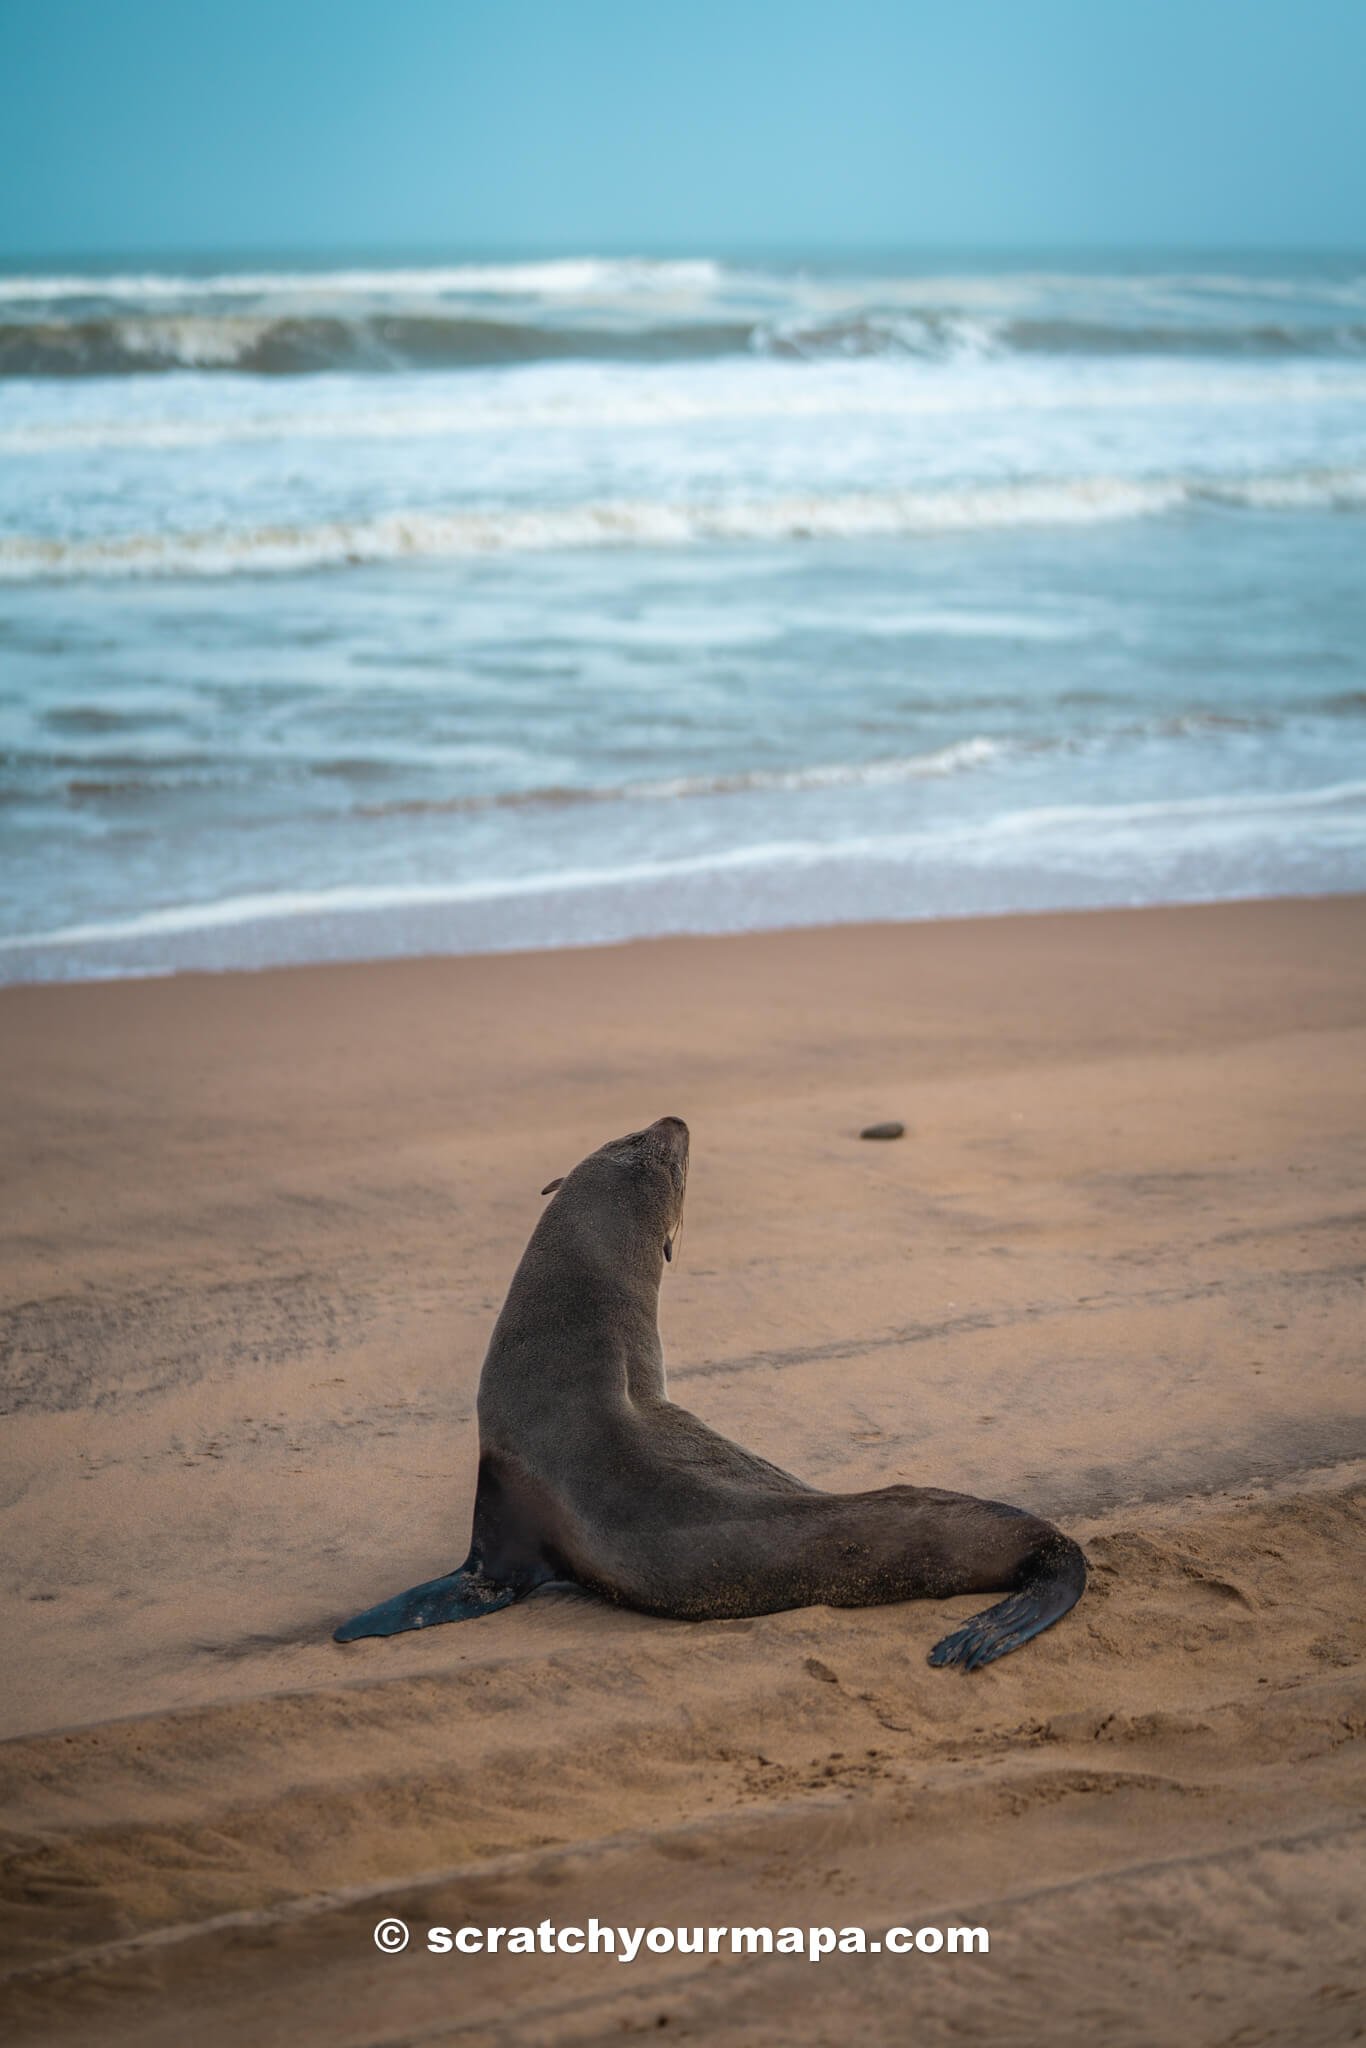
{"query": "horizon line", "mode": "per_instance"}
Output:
(780, 249)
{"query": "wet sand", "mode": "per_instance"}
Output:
(257, 1228)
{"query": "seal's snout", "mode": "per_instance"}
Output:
(668, 1136)
(667, 1140)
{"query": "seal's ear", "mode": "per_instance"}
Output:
(551, 1185)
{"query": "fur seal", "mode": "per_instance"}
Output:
(588, 1472)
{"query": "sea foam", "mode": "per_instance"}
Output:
(1079, 831)
(662, 523)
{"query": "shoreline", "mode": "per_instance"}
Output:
(456, 923)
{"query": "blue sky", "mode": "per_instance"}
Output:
(183, 125)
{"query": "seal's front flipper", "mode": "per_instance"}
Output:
(460, 1596)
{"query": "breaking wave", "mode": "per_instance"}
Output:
(954, 333)
(379, 339)
(283, 323)
(291, 344)
(660, 523)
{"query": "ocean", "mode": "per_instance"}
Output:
(348, 611)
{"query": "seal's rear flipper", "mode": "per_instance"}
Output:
(1051, 1582)
(460, 1596)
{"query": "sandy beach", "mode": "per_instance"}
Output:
(257, 1227)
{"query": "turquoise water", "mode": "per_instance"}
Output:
(350, 613)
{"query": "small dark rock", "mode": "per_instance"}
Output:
(891, 1130)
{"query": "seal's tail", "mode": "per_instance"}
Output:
(460, 1596)
(1051, 1580)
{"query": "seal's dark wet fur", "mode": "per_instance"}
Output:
(588, 1472)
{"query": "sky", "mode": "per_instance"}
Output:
(183, 126)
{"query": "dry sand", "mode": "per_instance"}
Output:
(257, 1229)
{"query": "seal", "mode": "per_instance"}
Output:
(588, 1471)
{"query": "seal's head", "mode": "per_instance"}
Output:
(651, 1166)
